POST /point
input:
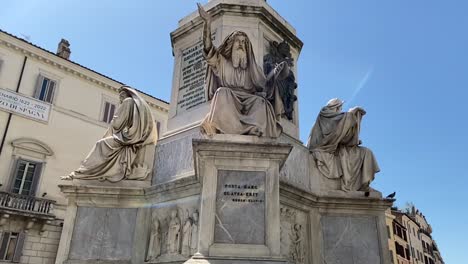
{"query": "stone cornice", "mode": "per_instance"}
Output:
(332, 201)
(70, 67)
(241, 10)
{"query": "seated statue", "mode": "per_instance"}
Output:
(335, 146)
(119, 155)
(237, 87)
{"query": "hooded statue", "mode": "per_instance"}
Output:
(119, 154)
(334, 143)
(241, 101)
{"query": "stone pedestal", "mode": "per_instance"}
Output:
(258, 20)
(240, 209)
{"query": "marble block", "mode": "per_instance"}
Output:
(174, 157)
(350, 240)
(103, 234)
(239, 210)
(240, 207)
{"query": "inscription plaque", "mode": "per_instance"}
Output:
(240, 207)
(192, 77)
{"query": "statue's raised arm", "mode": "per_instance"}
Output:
(207, 44)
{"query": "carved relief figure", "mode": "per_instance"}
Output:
(173, 236)
(279, 53)
(296, 252)
(194, 239)
(119, 154)
(237, 87)
(154, 246)
(187, 236)
(334, 143)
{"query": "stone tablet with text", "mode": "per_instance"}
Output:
(240, 207)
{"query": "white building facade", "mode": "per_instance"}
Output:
(52, 111)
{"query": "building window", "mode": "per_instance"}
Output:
(388, 232)
(108, 112)
(26, 176)
(1, 65)
(11, 246)
(45, 89)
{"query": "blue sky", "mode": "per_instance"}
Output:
(404, 61)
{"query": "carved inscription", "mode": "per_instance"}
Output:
(240, 207)
(192, 78)
(242, 193)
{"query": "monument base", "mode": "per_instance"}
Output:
(198, 259)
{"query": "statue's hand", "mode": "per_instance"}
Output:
(281, 70)
(203, 14)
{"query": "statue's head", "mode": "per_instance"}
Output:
(335, 104)
(123, 93)
(195, 216)
(237, 47)
(297, 227)
(174, 213)
(284, 49)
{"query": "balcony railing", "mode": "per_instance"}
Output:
(26, 204)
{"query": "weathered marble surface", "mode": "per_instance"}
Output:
(240, 207)
(174, 237)
(174, 157)
(296, 169)
(350, 240)
(293, 232)
(103, 234)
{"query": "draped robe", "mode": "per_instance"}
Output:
(235, 108)
(113, 157)
(334, 144)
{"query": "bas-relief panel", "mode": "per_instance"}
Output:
(173, 231)
(350, 240)
(173, 158)
(103, 234)
(293, 235)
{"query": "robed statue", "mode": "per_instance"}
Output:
(119, 155)
(335, 146)
(237, 87)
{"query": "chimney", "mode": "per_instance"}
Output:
(63, 49)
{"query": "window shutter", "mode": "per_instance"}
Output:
(19, 247)
(36, 177)
(6, 237)
(13, 175)
(39, 81)
(50, 92)
(112, 111)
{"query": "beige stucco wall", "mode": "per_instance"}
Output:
(391, 237)
(414, 239)
(74, 124)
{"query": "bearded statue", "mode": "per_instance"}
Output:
(243, 100)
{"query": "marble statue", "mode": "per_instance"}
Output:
(194, 238)
(237, 87)
(278, 53)
(296, 252)
(154, 246)
(186, 236)
(119, 154)
(173, 236)
(335, 146)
